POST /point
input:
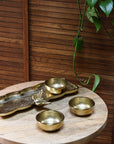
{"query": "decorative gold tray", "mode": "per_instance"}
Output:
(27, 97)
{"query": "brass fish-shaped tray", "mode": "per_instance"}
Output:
(35, 95)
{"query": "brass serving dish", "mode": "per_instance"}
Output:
(55, 85)
(18, 100)
(45, 96)
(27, 97)
(50, 120)
(81, 106)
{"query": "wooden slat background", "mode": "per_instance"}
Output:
(13, 66)
(52, 26)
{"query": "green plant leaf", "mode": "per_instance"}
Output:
(90, 13)
(106, 6)
(91, 3)
(96, 82)
(113, 23)
(97, 23)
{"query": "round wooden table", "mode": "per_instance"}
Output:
(21, 127)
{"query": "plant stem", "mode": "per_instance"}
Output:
(85, 24)
(83, 16)
(79, 29)
(97, 78)
(107, 32)
(79, 10)
(74, 57)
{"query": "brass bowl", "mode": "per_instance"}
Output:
(55, 85)
(81, 106)
(50, 120)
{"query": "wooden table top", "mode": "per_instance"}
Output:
(21, 127)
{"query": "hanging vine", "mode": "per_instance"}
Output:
(93, 15)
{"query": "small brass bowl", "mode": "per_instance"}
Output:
(81, 106)
(55, 85)
(50, 120)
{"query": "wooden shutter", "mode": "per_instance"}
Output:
(13, 42)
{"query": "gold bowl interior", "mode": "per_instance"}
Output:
(55, 85)
(81, 105)
(50, 120)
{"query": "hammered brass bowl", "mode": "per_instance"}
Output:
(55, 85)
(50, 120)
(81, 106)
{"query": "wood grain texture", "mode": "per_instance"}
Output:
(22, 127)
(25, 39)
(13, 42)
(52, 27)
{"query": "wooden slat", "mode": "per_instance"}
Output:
(10, 14)
(12, 42)
(10, 25)
(53, 19)
(25, 38)
(10, 19)
(15, 3)
(10, 9)
(58, 4)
